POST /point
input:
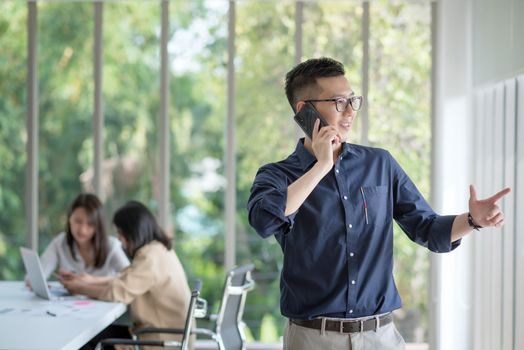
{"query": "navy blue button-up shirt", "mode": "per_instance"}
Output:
(338, 246)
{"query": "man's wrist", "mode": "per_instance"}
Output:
(323, 168)
(472, 223)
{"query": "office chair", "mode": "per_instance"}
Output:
(228, 327)
(197, 309)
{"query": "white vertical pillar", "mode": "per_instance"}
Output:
(364, 113)
(98, 116)
(164, 192)
(230, 254)
(478, 260)
(32, 126)
(434, 262)
(299, 19)
(519, 220)
(496, 245)
(450, 274)
(508, 207)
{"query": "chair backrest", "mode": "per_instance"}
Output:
(193, 302)
(229, 319)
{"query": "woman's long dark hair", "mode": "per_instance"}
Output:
(93, 207)
(139, 227)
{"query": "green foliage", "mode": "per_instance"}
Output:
(399, 111)
(264, 131)
(13, 136)
(269, 330)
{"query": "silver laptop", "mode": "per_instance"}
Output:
(35, 274)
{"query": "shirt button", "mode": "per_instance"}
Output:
(351, 311)
(351, 254)
(353, 282)
(336, 170)
(350, 226)
(345, 197)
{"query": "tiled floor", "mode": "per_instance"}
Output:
(209, 345)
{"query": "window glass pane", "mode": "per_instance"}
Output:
(333, 29)
(13, 136)
(265, 133)
(65, 109)
(398, 106)
(131, 91)
(198, 71)
(399, 112)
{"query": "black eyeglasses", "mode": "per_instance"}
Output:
(342, 103)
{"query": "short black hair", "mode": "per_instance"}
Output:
(139, 227)
(303, 77)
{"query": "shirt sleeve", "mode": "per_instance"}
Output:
(49, 258)
(135, 280)
(267, 203)
(416, 218)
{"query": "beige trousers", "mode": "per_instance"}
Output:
(302, 338)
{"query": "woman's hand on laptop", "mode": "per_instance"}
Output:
(65, 275)
(27, 283)
(72, 284)
(85, 284)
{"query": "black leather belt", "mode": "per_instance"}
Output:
(341, 326)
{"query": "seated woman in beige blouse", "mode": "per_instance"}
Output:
(84, 247)
(154, 285)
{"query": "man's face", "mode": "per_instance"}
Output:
(333, 87)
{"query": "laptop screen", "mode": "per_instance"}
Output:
(35, 274)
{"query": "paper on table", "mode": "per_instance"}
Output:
(77, 309)
(24, 311)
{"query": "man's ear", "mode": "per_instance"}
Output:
(299, 105)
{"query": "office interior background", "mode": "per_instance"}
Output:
(177, 103)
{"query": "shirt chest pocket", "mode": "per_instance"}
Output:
(374, 202)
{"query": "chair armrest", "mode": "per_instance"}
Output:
(203, 331)
(198, 331)
(212, 318)
(246, 287)
(116, 341)
(158, 330)
(200, 308)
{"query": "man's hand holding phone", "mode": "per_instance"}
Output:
(323, 141)
(324, 137)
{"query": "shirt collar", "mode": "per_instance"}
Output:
(306, 158)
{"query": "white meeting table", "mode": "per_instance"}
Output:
(29, 322)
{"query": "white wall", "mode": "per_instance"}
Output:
(478, 118)
(498, 58)
(498, 317)
(451, 165)
(497, 39)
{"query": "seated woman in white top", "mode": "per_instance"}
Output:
(84, 248)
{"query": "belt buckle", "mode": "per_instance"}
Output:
(341, 328)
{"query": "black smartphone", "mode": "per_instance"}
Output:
(306, 118)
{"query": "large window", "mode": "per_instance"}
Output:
(399, 116)
(198, 70)
(65, 110)
(265, 133)
(265, 48)
(131, 104)
(13, 136)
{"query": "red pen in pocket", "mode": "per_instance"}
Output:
(365, 205)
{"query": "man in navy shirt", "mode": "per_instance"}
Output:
(331, 206)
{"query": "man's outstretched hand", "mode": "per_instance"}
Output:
(486, 212)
